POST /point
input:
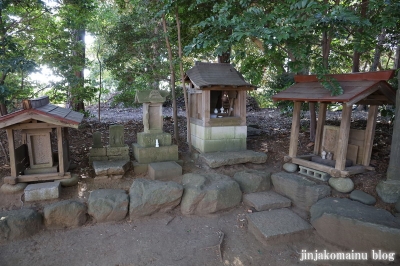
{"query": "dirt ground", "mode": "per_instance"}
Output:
(173, 239)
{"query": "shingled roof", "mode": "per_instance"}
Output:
(205, 75)
(42, 110)
(358, 88)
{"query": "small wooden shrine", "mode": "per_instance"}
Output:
(351, 148)
(217, 107)
(39, 122)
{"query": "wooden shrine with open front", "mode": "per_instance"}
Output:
(38, 123)
(351, 148)
(217, 107)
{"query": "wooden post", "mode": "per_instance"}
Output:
(205, 97)
(369, 134)
(60, 150)
(344, 132)
(11, 151)
(294, 135)
(320, 128)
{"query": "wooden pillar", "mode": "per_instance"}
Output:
(369, 134)
(320, 128)
(11, 151)
(205, 98)
(60, 151)
(294, 133)
(344, 132)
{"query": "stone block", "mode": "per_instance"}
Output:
(119, 158)
(116, 136)
(276, 226)
(42, 191)
(164, 170)
(222, 133)
(240, 132)
(98, 152)
(111, 167)
(352, 224)
(303, 192)
(153, 154)
(45, 170)
(224, 145)
(140, 168)
(218, 159)
(267, 200)
(149, 139)
(97, 158)
(97, 143)
(118, 151)
(251, 181)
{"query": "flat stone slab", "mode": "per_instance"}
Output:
(42, 191)
(362, 197)
(218, 159)
(106, 168)
(280, 225)
(262, 201)
(352, 224)
(303, 192)
(164, 170)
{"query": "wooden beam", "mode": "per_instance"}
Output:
(369, 134)
(60, 150)
(205, 98)
(42, 177)
(343, 142)
(11, 151)
(294, 135)
(32, 126)
(320, 128)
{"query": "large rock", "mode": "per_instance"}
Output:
(344, 185)
(352, 224)
(303, 192)
(10, 189)
(19, 224)
(65, 214)
(209, 193)
(389, 190)
(218, 159)
(106, 205)
(397, 206)
(251, 181)
(150, 196)
(362, 197)
(290, 167)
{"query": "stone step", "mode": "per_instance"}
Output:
(105, 169)
(218, 159)
(266, 200)
(164, 170)
(42, 191)
(276, 226)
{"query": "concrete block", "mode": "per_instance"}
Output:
(222, 145)
(241, 132)
(42, 191)
(164, 170)
(98, 151)
(140, 168)
(203, 132)
(149, 139)
(153, 154)
(118, 151)
(222, 133)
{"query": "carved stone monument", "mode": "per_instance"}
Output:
(145, 151)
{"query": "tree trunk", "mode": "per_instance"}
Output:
(188, 134)
(394, 166)
(397, 58)
(171, 67)
(225, 57)
(78, 104)
(100, 81)
(3, 109)
(356, 54)
(378, 52)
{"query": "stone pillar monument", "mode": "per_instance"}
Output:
(145, 151)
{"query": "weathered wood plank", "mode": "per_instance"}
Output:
(343, 142)
(294, 133)
(320, 126)
(11, 151)
(42, 177)
(60, 150)
(369, 134)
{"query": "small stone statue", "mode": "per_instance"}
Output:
(329, 156)
(323, 155)
(222, 110)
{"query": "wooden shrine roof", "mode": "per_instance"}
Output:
(368, 88)
(206, 75)
(41, 109)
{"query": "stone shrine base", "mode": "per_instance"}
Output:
(218, 159)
